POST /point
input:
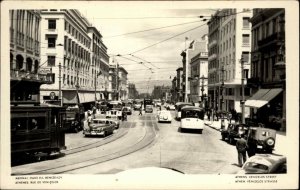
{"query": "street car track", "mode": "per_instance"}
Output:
(146, 140)
(122, 131)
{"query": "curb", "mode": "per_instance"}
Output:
(209, 125)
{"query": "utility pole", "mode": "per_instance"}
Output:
(243, 90)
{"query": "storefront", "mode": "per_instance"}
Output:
(267, 107)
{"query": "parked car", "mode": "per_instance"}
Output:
(137, 106)
(234, 131)
(265, 164)
(149, 108)
(164, 116)
(101, 127)
(261, 139)
(127, 109)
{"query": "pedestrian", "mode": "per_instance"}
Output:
(208, 115)
(241, 146)
(141, 108)
(89, 120)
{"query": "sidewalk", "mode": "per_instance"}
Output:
(280, 144)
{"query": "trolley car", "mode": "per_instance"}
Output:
(36, 131)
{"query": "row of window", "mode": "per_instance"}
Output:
(24, 32)
(267, 29)
(76, 34)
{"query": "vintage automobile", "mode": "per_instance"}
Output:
(101, 127)
(261, 139)
(265, 164)
(192, 118)
(234, 131)
(115, 122)
(137, 106)
(149, 109)
(127, 109)
(164, 116)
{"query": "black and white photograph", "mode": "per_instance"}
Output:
(149, 95)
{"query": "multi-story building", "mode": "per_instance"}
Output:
(198, 79)
(74, 52)
(118, 81)
(25, 57)
(230, 34)
(100, 60)
(123, 84)
(267, 80)
(179, 84)
(193, 49)
(174, 93)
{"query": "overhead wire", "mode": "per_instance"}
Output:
(151, 29)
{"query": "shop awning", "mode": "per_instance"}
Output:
(86, 97)
(70, 97)
(262, 97)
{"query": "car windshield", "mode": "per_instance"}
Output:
(99, 121)
(192, 114)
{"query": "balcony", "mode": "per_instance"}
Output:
(47, 78)
(274, 38)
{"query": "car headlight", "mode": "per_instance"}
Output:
(270, 142)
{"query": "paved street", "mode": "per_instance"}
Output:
(141, 142)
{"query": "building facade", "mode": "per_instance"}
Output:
(198, 79)
(230, 34)
(194, 48)
(74, 52)
(123, 84)
(25, 57)
(268, 98)
(132, 92)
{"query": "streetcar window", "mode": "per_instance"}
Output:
(28, 123)
(36, 123)
(19, 124)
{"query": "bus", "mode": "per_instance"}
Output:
(178, 107)
(147, 101)
(192, 118)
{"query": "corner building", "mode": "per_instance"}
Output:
(229, 41)
(74, 52)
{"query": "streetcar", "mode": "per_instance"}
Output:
(178, 107)
(37, 131)
(192, 118)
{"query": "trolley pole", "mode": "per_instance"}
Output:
(243, 90)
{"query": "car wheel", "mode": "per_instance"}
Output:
(105, 134)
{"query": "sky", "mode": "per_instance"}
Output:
(160, 60)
